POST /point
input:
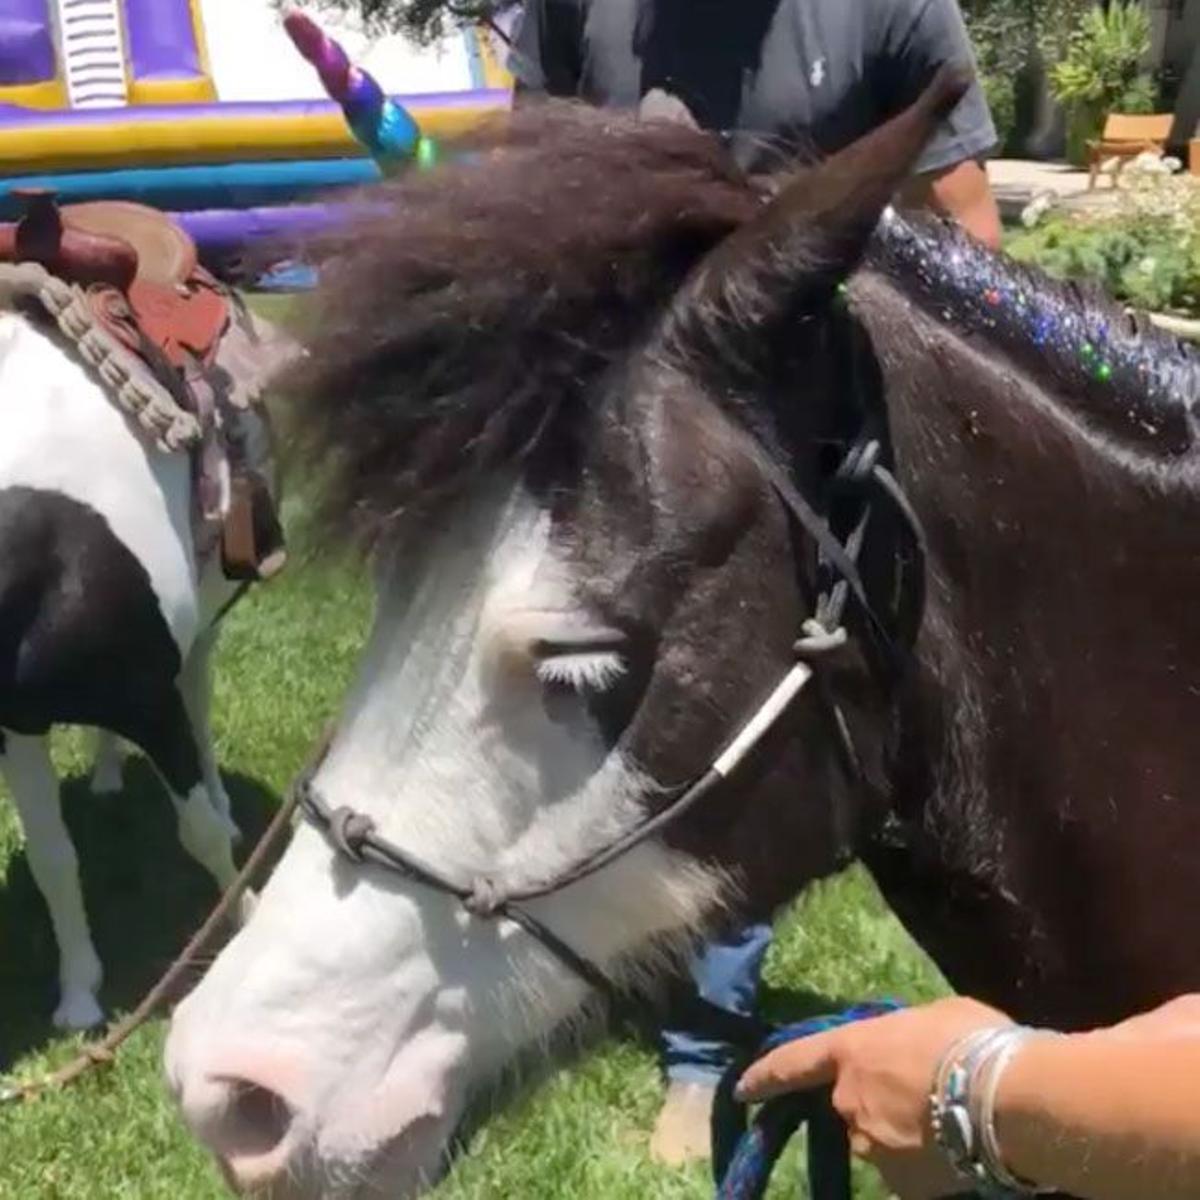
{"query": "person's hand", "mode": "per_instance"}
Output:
(882, 1073)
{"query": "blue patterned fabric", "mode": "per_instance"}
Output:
(744, 1156)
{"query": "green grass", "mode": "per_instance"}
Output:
(284, 659)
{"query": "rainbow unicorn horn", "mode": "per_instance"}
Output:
(386, 129)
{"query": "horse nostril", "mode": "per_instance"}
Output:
(249, 1127)
(260, 1120)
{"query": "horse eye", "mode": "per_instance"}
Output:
(578, 669)
(601, 673)
(586, 661)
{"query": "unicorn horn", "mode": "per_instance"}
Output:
(386, 129)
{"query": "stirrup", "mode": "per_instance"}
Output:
(252, 545)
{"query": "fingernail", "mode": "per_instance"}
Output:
(739, 1091)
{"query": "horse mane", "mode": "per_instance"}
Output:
(471, 304)
(1118, 373)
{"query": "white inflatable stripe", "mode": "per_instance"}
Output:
(93, 53)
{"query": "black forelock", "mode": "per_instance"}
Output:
(475, 302)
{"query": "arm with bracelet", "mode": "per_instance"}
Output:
(954, 1097)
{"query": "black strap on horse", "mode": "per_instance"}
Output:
(867, 483)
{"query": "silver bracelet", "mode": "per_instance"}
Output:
(989, 1144)
(950, 1116)
(962, 1109)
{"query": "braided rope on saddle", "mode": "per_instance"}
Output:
(127, 377)
(176, 350)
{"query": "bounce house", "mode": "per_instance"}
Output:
(204, 108)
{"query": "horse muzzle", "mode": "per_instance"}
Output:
(285, 1127)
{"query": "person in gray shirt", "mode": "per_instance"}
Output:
(779, 77)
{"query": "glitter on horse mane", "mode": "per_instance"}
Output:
(1132, 379)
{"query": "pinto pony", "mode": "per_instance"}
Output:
(107, 618)
(561, 398)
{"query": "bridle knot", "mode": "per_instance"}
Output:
(484, 899)
(818, 640)
(858, 466)
(349, 830)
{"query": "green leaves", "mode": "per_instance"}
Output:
(1146, 252)
(1103, 68)
(423, 20)
(1007, 36)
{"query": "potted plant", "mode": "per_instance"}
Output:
(1103, 72)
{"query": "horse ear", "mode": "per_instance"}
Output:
(815, 229)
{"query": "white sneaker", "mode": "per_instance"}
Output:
(683, 1132)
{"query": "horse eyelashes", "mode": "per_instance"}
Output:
(586, 671)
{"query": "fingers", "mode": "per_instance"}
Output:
(810, 1062)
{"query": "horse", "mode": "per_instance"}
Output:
(606, 416)
(108, 610)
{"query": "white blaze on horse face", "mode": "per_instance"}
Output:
(386, 1000)
(59, 432)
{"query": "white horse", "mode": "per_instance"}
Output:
(106, 619)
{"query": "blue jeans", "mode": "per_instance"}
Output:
(727, 974)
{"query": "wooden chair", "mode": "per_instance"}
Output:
(1126, 137)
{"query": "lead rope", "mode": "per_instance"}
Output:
(745, 1153)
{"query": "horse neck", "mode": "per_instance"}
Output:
(1046, 734)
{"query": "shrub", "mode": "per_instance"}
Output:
(1007, 35)
(1001, 97)
(1146, 251)
(1103, 70)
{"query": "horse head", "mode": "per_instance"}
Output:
(552, 393)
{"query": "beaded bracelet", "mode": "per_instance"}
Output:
(962, 1106)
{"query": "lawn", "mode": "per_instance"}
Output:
(285, 656)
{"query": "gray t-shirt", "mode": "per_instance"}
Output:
(781, 76)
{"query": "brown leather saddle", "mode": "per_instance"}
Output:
(144, 285)
(124, 252)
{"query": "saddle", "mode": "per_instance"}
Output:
(138, 274)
